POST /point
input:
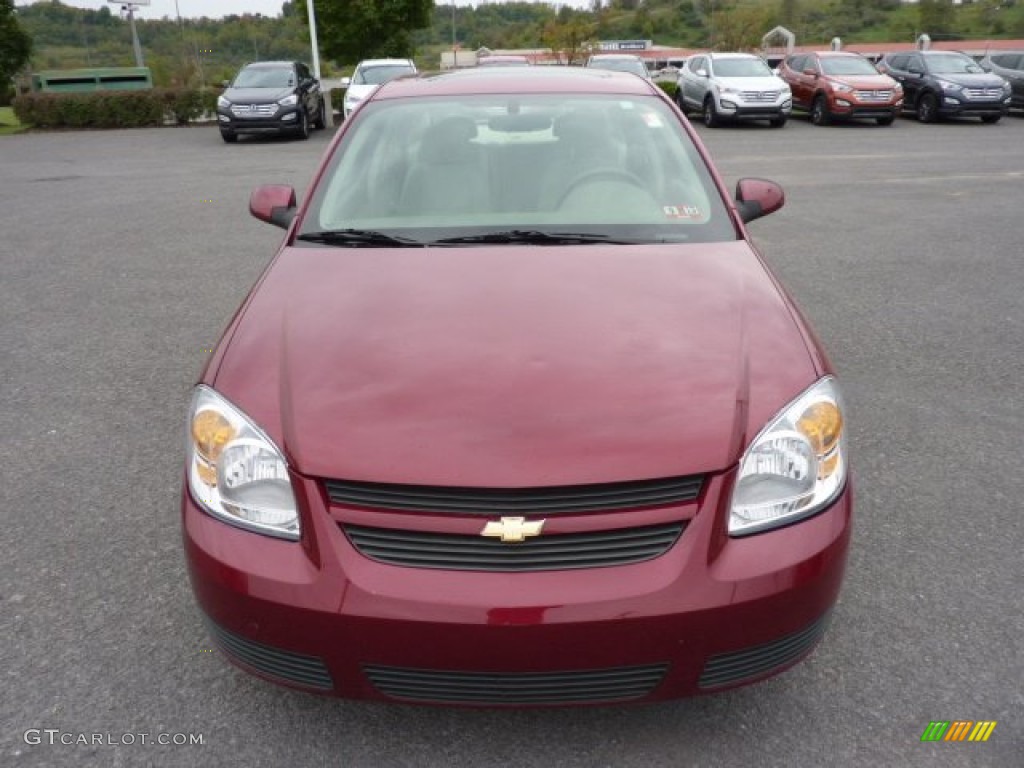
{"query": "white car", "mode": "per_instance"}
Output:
(733, 86)
(368, 75)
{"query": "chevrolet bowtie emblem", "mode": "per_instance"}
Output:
(512, 528)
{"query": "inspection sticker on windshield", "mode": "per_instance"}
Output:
(681, 211)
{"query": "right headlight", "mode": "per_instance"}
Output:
(235, 472)
(796, 466)
(222, 102)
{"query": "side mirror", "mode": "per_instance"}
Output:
(701, 73)
(758, 197)
(916, 72)
(274, 204)
(810, 72)
(346, 82)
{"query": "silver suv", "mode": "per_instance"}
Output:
(733, 86)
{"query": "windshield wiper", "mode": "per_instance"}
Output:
(360, 237)
(532, 237)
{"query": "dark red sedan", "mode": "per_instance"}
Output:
(517, 415)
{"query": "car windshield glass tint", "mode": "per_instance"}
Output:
(564, 168)
(262, 77)
(741, 68)
(952, 64)
(379, 75)
(847, 65)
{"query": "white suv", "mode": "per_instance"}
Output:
(368, 75)
(733, 86)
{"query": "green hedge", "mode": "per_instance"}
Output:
(669, 86)
(114, 109)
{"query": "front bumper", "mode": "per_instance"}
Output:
(952, 106)
(710, 614)
(285, 120)
(732, 108)
(848, 107)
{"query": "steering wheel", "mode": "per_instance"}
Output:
(601, 174)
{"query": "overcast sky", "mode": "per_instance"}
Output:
(194, 8)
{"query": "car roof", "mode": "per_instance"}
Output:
(717, 55)
(499, 80)
(615, 56)
(269, 64)
(836, 54)
(383, 62)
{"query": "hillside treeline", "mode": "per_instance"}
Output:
(203, 51)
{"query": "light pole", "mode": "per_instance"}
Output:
(455, 50)
(328, 110)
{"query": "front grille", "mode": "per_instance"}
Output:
(877, 97)
(544, 500)
(308, 671)
(568, 551)
(983, 93)
(254, 110)
(760, 97)
(737, 666)
(573, 687)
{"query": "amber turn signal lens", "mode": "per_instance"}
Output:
(821, 424)
(211, 432)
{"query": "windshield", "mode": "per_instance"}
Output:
(635, 66)
(846, 65)
(952, 64)
(381, 74)
(741, 68)
(517, 168)
(264, 77)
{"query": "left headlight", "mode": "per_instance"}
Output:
(289, 101)
(235, 472)
(796, 466)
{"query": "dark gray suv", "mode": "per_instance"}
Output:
(1009, 65)
(939, 84)
(271, 97)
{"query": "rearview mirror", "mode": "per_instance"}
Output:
(274, 204)
(758, 197)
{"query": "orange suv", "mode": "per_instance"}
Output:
(836, 84)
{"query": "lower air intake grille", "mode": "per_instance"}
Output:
(308, 671)
(734, 667)
(568, 551)
(576, 687)
(543, 500)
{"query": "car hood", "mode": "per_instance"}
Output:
(865, 82)
(753, 83)
(514, 366)
(256, 95)
(975, 80)
(359, 91)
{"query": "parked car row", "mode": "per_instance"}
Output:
(840, 85)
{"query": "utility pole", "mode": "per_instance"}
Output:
(455, 50)
(328, 109)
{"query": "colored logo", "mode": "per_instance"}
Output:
(958, 730)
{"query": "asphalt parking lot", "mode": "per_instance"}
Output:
(123, 254)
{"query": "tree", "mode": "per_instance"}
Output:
(15, 44)
(352, 30)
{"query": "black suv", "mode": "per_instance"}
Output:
(271, 97)
(1009, 65)
(947, 84)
